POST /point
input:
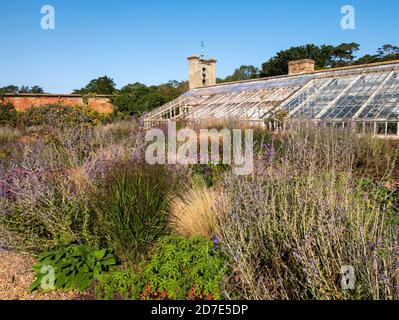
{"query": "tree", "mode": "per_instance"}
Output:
(344, 54)
(23, 89)
(131, 99)
(278, 65)
(387, 50)
(9, 89)
(172, 89)
(242, 73)
(101, 85)
(36, 89)
(137, 98)
(366, 59)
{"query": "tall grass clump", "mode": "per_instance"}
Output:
(132, 208)
(291, 228)
(197, 211)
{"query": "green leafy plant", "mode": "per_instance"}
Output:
(75, 266)
(179, 269)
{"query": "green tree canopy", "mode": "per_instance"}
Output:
(387, 50)
(9, 89)
(36, 89)
(137, 98)
(326, 56)
(24, 89)
(101, 85)
(278, 65)
(344, 54)
(245, 72)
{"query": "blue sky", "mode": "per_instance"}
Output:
(148, 41)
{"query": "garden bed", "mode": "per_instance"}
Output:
(16, 275)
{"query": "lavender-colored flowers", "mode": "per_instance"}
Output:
(215, 242)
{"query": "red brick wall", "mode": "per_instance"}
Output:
(101, 104)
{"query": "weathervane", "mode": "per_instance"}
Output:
(202, 50)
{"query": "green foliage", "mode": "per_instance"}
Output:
(132, 209)
(8, 114)
(179, 269)
(135, 99)
(210, 173)
(75, 266)
(24, 89)
(242, 73)
(343, 55)
(387, 52)
(36, 89)
(387, 199)
(278, 65)
(9, 89)
(101, 85)
(62, 116)
(326, 56)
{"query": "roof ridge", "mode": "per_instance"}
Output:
(353, 67)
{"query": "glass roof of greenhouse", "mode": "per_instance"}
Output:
(357, 93)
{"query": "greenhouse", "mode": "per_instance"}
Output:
(366, 97)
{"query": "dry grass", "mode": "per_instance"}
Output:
(225, 123)
(198, 211)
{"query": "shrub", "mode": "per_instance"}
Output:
(62, 116)
(197, 211)
(75, 266)
(375, 158)
(40, 207)
(179, 269)
(46, 186)
(290, 229)
(8, 114)
(132, 208)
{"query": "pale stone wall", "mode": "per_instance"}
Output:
(201, 72)
(301, 66)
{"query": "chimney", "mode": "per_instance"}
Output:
(301, 66)
(201, 72)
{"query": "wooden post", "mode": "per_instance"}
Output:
(386, 128)
(375, 128)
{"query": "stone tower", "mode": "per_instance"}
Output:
(201, 72)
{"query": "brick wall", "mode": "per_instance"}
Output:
(23, 102)
(301, 66)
